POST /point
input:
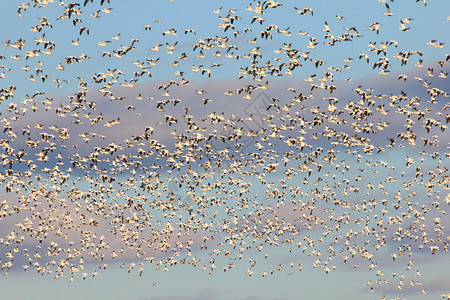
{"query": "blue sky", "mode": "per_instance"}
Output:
(137, 113)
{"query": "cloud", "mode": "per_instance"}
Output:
(202, 294)
(208, 294)
(131, 125)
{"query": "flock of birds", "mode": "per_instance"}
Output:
(303, 171)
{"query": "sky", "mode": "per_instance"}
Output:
(108, 124)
